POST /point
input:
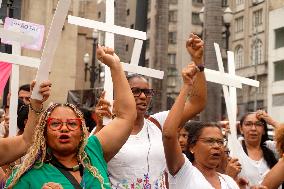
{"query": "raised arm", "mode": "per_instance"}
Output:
(114, 135)
(173, 152)
(102, 109)
(198, 94)
(12, 148)
(275, 176)
(261, 114)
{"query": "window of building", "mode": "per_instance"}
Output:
(128, 12)
(173, 1)
(195, 18)
(172, 37)
(239, 2)
(197, 1)
(279, 70)
(279, 38)
(278, 100)
(239, 56)
(239, 24)
(173, 16)
(171, 82)
(99, 14)
(259, 105)
(132, 26)
(172, 71)
(172, 58)
(224, 3)
(126, 47)
(256, 52)
(262, 85)
(257, 18)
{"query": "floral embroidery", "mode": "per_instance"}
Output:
(143, 183)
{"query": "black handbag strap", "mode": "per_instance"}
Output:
(66, 173)
(70, 177)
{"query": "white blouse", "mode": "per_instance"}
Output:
(189, 177)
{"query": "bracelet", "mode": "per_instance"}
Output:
(36, 111)
(201, 67)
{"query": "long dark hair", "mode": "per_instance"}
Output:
(268, 155)
(194, 129)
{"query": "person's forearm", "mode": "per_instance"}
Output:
(13, 148)
(174, 117)
(125, 106)
(275, 176)
(197, 98)
(172, 149)
(274, 123)
(33, 118)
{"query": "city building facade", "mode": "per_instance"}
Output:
(275, 98)
(249, 43)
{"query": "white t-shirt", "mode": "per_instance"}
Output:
(253, 171)
(189, 177)
(141, 162)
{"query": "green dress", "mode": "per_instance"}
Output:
(37, 177)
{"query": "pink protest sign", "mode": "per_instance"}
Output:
(34, 30)
(5, 71)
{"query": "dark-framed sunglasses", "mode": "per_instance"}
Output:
(137, 92)
(56, 124)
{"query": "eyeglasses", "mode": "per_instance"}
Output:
(211, 141)
(56, 124)
(250, 124)
(137, 92)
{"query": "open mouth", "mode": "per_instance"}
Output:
(216, 155)
(142, 105)
(253, 135)
(64, 138)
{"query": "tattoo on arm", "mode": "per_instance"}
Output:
(194, 92)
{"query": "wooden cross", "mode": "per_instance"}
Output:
(52, 40)
(44, 64)
(16, 59)
(230, 95)
(111, 29)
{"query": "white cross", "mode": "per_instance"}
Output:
(16, 59)
(230, 95)
(51, 44)
(110, 30)
(44, 64)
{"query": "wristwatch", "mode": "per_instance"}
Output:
(201, 67)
